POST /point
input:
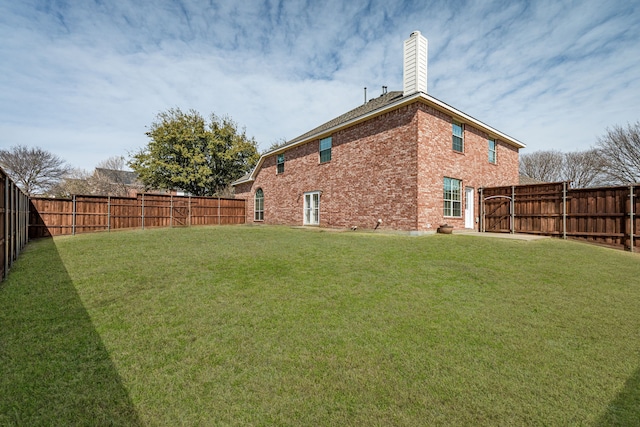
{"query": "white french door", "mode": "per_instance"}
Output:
(469, 203)
(312, 208)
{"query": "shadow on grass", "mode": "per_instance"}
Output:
(624, 410)
(54, 367)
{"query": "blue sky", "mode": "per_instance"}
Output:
(83, 79)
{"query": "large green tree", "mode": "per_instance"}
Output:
(188, 153)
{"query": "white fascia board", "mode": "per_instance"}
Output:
(459, 115)
(428, 99)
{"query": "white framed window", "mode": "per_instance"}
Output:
(325, 149)
(492, 150)
(258, 207)
(452, 197)
(280, 163)
(458, 136)
(312, 208)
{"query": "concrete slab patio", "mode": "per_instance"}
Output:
(515, 236)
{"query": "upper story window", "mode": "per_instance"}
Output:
(452, 197)
(258, 207)
(325, 149)
(492, 150)
(458, 137)
(280, 163)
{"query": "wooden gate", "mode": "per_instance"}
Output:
(497, 212)
(180, 211)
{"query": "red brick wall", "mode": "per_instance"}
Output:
(391, 167)
(438, 160)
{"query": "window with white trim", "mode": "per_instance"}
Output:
(492, 151)
(458, 136)
(311, 208)
(452, 197)
(280, 163)
(258, 207)
(325, 149)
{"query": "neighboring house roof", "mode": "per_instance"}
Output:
(375, 107)
(118, 176)
(525, 180)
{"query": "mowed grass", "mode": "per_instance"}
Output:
(279, 326)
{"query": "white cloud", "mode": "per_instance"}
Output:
(84, 79)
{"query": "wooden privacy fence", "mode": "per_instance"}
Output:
(84, 214)
(14, 216)
(604, 215)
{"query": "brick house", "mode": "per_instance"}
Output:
(402, 161)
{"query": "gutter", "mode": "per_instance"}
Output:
(405, 100)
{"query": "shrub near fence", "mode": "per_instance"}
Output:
(85, 214)
(603, 215)
(14, 215)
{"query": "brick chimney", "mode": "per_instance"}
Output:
(415, 64)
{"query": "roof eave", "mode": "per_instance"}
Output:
(419, 96)
(467, 118)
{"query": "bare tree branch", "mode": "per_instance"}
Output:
(620, 150)
(34, 170)
(542, 165)
(582, 168)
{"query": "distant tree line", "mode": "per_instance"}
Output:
(185, 152)
(188, 153)
(614, 160)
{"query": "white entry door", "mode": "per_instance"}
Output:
(469, 203)
(312, 208)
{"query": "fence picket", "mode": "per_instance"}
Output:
(49, 217)
(598, 215)
(14, 220)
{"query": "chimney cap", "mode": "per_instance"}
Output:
(415, 33)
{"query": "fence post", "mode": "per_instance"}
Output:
(142, 210)
(218, 210)
(12, 225)
(189, 209)
(5, 267)
(109, 214)
(171, 211)
(73, 216)
(481, 225)
(513, 209)
(564, 210)
(631, 218)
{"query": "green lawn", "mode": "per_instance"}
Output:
(247, 325)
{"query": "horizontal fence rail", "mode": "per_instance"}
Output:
(14, 222)
(603, 215)
(86, 214)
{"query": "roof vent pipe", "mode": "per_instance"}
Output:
(415, 64)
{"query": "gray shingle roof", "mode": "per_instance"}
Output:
(371, 105)
(118, 176)
(525, 180)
